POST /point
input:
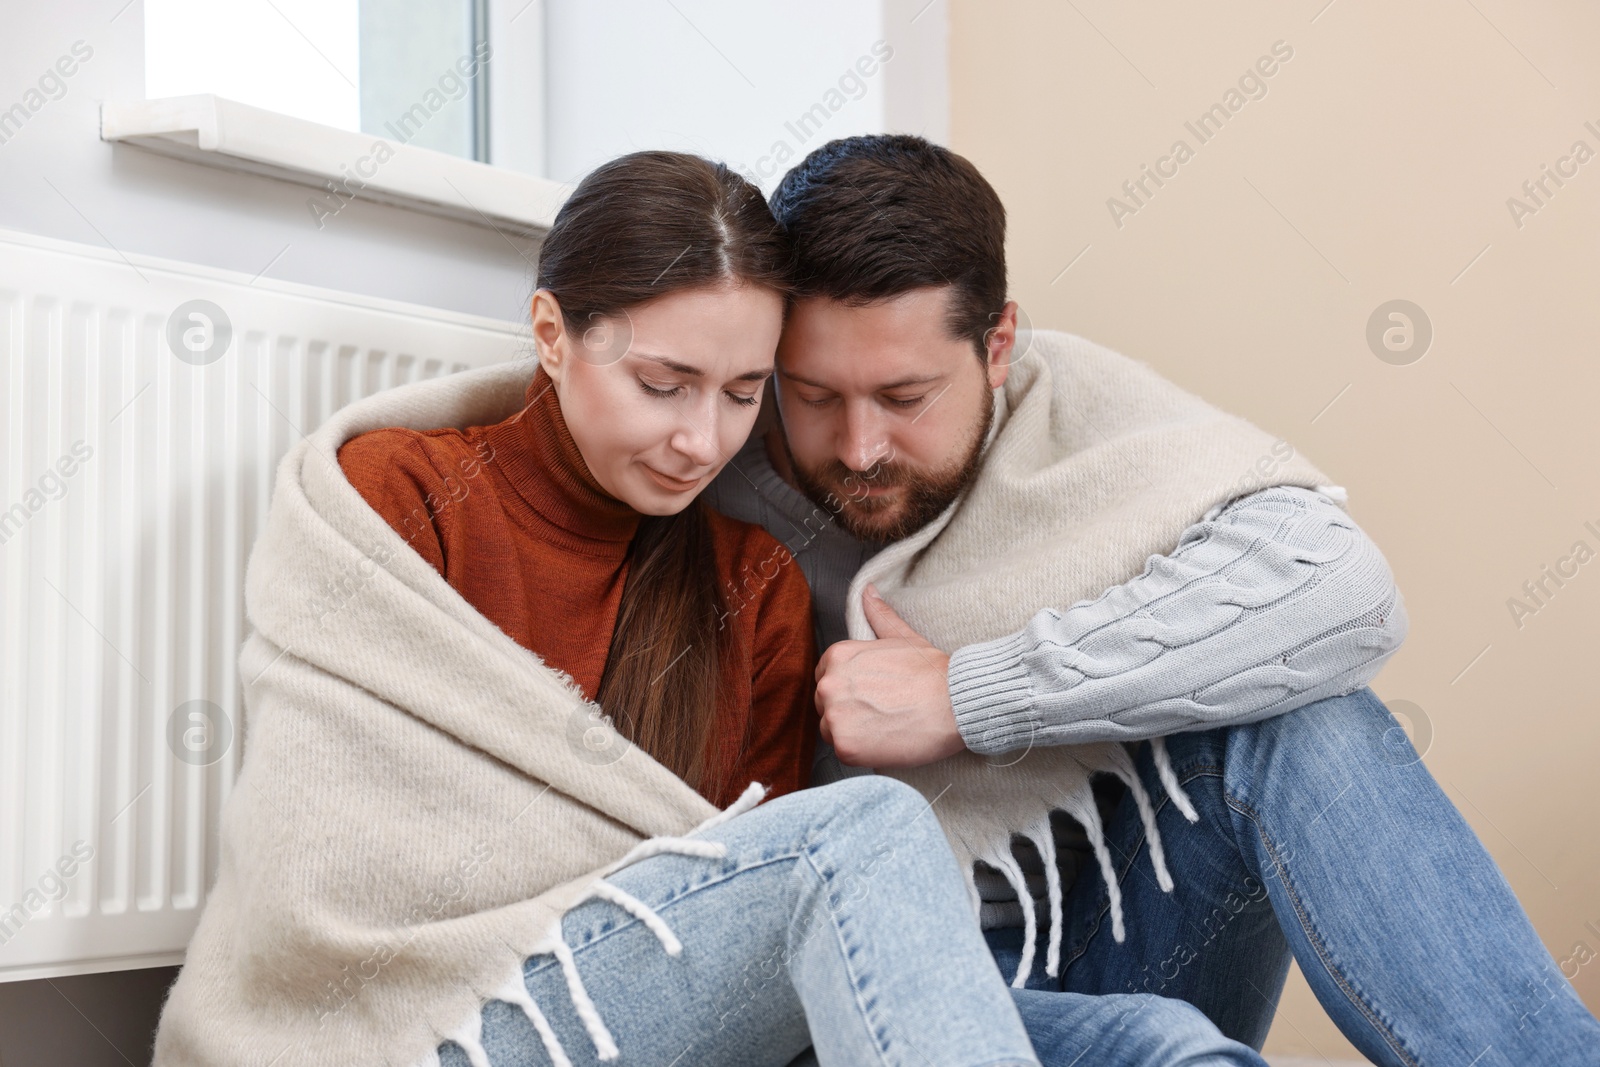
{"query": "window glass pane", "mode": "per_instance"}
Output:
(410, 71)
(419, 73)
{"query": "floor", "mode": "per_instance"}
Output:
(91, 1020)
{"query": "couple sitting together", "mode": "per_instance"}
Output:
(551, 760)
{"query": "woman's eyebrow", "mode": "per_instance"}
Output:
(672, 364)
(696, 372)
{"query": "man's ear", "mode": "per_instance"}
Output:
(549, 333)
(999, 342)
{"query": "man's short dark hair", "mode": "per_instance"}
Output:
(879, 215)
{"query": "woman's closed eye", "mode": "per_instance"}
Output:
(738, 398)
(662, 392)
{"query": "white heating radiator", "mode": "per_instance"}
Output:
(136, 465)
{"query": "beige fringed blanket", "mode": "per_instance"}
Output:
(1094, 464)
(421, 797)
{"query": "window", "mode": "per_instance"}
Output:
(455, 76)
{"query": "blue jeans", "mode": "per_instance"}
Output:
(838, 916)
(1321, 836)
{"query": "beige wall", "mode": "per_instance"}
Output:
(1377, 167)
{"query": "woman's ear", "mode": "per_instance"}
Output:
(549, 333)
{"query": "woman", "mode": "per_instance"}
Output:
(834, 917)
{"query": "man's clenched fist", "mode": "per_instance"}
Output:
(886, 703)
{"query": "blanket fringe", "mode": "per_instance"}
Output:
(1006, 863)
(605, 1047)
(1087, 813)
(515, 991)
(1122, 767)
(641, 911)
(1045, 841)
(1169, 779)
(469, 1034)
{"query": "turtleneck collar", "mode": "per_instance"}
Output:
(538, 456)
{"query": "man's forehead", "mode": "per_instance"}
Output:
(902, 340)
(896, 382)
(909, 308)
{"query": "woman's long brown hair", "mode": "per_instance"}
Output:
(638, 228)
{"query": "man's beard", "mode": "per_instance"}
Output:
(875, 518)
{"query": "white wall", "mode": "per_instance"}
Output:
(755, 83)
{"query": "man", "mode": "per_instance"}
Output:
(1318, 834)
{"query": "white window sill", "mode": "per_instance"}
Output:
(222, 133)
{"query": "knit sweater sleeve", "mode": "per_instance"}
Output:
(1275, 601)
(391, 471)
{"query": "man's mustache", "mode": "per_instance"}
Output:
(880, 474)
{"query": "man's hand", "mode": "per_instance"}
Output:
(886, 703)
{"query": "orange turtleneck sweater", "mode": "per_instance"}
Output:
(511, 517)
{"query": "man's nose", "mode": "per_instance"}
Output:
(863, 442)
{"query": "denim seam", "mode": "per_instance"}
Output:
(868, 1015)
(1324, 955)
(855, 984)
(631, 921)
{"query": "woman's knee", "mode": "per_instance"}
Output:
(882, 793)
(866, 814)
(866, 796)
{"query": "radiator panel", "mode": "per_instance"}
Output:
(122, 583)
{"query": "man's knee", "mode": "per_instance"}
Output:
(1355, 723)
(1334, 741)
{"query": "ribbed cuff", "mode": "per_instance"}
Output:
(990, 693)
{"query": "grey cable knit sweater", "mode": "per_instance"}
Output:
(1024, 684)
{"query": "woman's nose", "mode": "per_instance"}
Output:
(697, 440)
